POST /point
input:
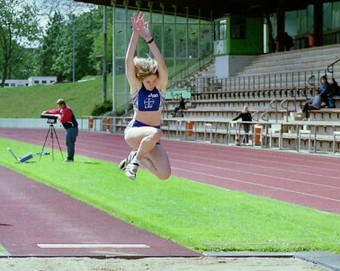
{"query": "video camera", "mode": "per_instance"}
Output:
(51, 118)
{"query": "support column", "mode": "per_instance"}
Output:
(280, 14)
(113, 4)
(105, 54)
(187, 37)
(318, 22)
(127, 96)
(174, 37)
(162, 30)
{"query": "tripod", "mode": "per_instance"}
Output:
(51, 131)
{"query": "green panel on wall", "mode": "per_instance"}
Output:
(246, 36)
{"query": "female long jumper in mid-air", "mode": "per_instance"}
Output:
(148, 79)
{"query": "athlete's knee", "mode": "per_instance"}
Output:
(164, 175)
(155, 136)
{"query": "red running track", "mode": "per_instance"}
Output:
(303, 179)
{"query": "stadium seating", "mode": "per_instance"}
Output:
(274, 108)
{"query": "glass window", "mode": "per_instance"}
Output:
(238, 28)
(221, 29)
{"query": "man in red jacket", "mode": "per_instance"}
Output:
(69, 122)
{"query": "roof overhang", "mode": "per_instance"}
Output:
(212, 9)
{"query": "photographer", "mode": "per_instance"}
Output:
(69, 122)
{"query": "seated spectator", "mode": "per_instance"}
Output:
(325, 89)
(245, 115)
(313, 103)
(335, 91)
(181, 106)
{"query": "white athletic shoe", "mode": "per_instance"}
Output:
(131, 170)
(122, 165)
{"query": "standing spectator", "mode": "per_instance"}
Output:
(313, 103)
(288, 42)
(181, 106)
(245, 115)
(69, 122)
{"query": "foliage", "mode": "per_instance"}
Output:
(101, 109)
(192, 214)
(29, 102)
(49, 47)
(68, 41)
(18, 26)
(71, 44)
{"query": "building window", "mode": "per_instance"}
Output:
(238, 28)
(221, 29)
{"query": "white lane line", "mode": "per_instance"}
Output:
(259, 185)
(245, 171)
(93, 246)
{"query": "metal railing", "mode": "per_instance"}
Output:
(330, 67)
(255, 115)
(181, 77)
(274, 105)
(285, 105)
(295, 79)
(228, 129)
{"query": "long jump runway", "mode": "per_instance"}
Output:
(309, 180)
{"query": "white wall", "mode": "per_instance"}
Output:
(26, 123)
(228, 66)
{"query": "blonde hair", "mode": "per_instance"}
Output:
(245, 109)
(145, 67)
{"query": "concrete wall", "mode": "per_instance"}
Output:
(42, 124)
(229, 66)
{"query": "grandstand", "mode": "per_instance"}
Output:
(273, 86)
(274, 94)
(241, 70)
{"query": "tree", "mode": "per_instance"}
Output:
(18, 26)
(68, 39)
(49, 46)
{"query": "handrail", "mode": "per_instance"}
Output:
(262, 116)
(285, 105)
(330, 67)
(283, 102)
(311, 80)
(190, 69)
(292, 79)
(272, 102)
(256, 113)
(208, 56)
(273, 107)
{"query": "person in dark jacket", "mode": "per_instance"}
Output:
(245, 116)
(181, 106)
(288, 42)
(69, 122)
(335, 91)
(325, 90)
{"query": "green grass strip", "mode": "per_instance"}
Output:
(192, 214)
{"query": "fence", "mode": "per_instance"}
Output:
(317, 136)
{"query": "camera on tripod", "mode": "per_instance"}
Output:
(51, 118)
